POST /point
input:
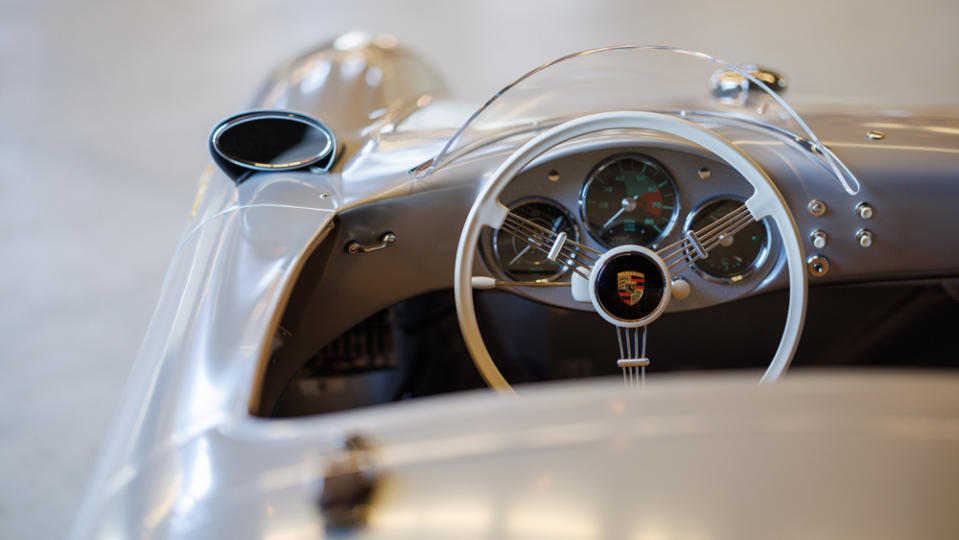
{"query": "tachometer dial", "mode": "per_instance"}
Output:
(736, 257)
(629, 199)
(522, 262)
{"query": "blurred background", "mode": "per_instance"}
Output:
(106, 107)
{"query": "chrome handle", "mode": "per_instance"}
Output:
(386, 240)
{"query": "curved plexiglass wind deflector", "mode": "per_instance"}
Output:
(659, 79)
(271, 141)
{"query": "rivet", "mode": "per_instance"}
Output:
(705, 173)
(553, 176)
(875, 135)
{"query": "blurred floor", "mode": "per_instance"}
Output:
(105, 107)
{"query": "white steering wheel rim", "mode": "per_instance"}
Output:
(766, 201)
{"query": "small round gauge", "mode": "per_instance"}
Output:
(629, 199)
(518, 259)
(735, 257)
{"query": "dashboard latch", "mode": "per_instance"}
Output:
(386, 240)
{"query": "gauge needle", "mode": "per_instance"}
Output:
(628, 205)
(522, 252)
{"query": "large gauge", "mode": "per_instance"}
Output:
(519, 260)
(629, 199)
(736, 257)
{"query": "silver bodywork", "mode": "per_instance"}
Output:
(185, 458)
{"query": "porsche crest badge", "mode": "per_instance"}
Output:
(630, 286)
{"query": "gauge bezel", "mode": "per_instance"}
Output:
(530, 200)
(610, 160)
(750, 269)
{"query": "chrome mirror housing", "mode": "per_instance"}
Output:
(732, 88)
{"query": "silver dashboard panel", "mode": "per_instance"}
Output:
(683, 162)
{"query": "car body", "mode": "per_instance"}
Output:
(302, 303)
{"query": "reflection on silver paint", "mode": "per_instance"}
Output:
(340, 82)
(196, 367)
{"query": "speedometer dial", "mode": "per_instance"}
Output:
(518, 259)
(629, 199)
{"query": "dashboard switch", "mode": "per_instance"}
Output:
(818, 239)
(817, 265)
(864, 210)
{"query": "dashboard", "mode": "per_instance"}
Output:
(648, 194)
(602, 190)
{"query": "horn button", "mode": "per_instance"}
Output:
(629, 286)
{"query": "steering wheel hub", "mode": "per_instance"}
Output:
(629, 286)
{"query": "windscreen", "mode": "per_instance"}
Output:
(660, 79)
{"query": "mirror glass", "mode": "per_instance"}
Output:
(272, 141)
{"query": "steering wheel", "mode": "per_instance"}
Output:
(628, 286)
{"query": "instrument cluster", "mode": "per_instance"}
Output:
(610, 198)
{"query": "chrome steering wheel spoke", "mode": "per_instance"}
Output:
(632, 355)
(557, 246)
(696, 245)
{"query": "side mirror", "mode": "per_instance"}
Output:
(271, 141)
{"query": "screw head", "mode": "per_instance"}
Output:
(817, 207)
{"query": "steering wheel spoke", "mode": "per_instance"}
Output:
(556, 245)
(696, 245)
(485, 282)
(632, 355)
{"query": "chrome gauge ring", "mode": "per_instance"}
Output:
(629, 199)
(516, 259)
(736, 258)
